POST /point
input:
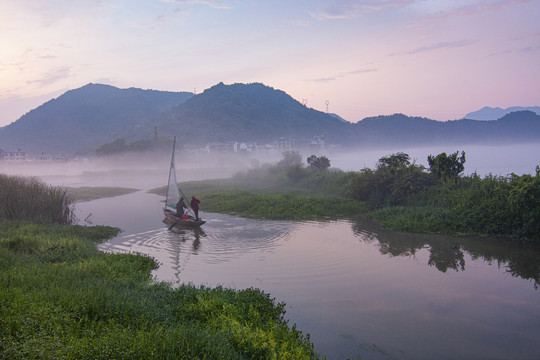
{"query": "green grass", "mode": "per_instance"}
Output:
(263, 200)
(61, 298)
(280, 206)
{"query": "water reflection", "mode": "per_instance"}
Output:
(518, 258)
(360, 291)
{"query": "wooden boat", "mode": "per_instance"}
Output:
(172, 197)
(186, 221)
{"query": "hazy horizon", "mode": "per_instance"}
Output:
(145, 172)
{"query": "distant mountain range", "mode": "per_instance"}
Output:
(489, 113)
(84, 119)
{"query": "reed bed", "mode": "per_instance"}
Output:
(30, 199)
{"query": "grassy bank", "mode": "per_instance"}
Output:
(274, 198)
(61, 298)
(399, 194)
(409, 197)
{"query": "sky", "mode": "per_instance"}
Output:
(438, 59)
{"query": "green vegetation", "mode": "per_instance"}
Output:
(93, 193)
(61, 298)
(31, 199)
(282, 191)
(410, 197)
(400, 194)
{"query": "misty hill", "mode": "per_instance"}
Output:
(489, 113)
(85, 118)
(402, 130)
(245, 112)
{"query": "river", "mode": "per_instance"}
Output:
(360, 291)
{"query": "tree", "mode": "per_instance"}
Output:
(290, 158)
(447, 166)
(318, 163)
(394, 161)
(118, 145)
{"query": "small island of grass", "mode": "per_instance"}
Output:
(399, 194)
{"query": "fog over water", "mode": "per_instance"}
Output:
(147, 171)
(482, 159)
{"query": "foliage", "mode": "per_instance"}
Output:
(407, 198)
(30, 199)
(61, 298)
(290, 158)
(393, 182)
(121, 146)
(447, 166)
(493, 205)
(318, 163)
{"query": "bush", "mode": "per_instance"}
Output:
(393, 183)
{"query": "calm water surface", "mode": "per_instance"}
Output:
(358, 290)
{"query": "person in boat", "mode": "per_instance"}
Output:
(195, 206)
(180, 206)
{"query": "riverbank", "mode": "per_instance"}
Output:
(399, 194)
(63, 298)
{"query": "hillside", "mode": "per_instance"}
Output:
(402, 130)
(85, 118)
(245, 112)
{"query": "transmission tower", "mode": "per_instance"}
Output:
(327, 103)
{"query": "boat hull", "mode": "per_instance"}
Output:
(171, 218)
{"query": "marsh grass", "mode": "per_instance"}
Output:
(30, 199)
(61, 298)
(273, 194)
(281, 206)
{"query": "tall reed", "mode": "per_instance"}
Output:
(29, 198)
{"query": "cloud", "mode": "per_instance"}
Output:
(212, 3)
(350, 9)
(324, 80)
(469, 8)
(441, 45)
(437, 46)
(342, 75)
(53, 76)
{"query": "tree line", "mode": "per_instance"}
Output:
(439, 198)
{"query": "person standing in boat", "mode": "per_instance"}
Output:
(180, 206)
(195, 206)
